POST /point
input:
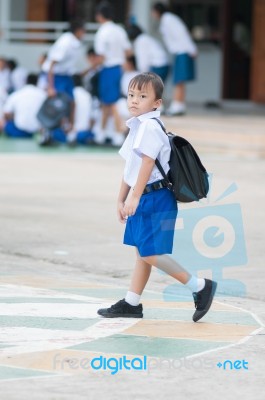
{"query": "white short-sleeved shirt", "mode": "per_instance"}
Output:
(111, 42)
(149, 53)
(175, 34)
(65, 51)
(5, 79)
(146, 137)
(18, 78)
(3, 97)
(25, 104)
(83, 104)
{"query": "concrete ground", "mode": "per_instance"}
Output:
(62, 258)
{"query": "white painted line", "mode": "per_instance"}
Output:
(29, 340)
(42, 310)
(32, 292)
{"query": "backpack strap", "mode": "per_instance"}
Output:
(160, 123)
(157, 163)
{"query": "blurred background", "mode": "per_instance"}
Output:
(229, 34)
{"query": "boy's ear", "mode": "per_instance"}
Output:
(158, 103)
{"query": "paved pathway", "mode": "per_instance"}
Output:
(50, 327)
(61, 258)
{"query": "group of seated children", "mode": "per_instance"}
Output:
(19, 111)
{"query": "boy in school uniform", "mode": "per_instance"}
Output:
(21, 109)
(147, 206)
(18, 75)
(112, 44)
(179, 43)
(60, 66)
(83, 107)
(149, 52)
(129, 72)
(60, 63)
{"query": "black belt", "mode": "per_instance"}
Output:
(155, 186)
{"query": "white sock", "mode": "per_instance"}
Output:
(177, 106)
(118, 138)
(195, 284)
(132, 298)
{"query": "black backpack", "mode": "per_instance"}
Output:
(187, 177)
(54, 109)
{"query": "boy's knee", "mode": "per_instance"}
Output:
(149, 260)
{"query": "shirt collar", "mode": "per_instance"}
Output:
(143, 117)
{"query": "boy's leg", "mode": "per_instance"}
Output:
(179, 92)
(118, 121)
(130, 307)
(105, 116)
(177, 105)
(169, 266)
(140, 276)
(203, 290)
(118, 135)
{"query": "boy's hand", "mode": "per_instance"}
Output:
(51, 92)
(131, 206)
(120, 212)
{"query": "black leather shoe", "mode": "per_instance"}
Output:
(122, 309)
(203, 299)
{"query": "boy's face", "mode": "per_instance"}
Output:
(79, 33)
(155, 14)
(92, 60)
(2, 64)
(142, 101)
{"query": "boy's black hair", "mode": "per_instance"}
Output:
(12, 64)
(76, 24)
(160, 8)
(106, 10)
(91, 51)
(132, 60)
(134, 31)
(32, 79)
(148, 78)
(77, 80)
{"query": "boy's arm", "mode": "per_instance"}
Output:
(144, 174)
(8, 116)
(51, 90)
(124, 191)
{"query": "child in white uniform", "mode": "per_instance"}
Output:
(179, 43)
(112, 44)
(147, 206)
(129, 72)
(150, 54)
(21, 109)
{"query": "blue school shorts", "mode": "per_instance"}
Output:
(58, 135)
(109, 84)
(161, 71)
(151, 228)
(183, 68)
(13, 131)
(65, 84)
(83, 137)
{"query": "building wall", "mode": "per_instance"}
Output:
(258, 53)
(18, 11)
(37, 10)
(207, 87)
